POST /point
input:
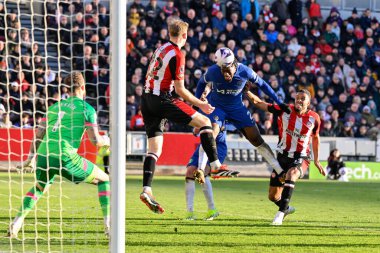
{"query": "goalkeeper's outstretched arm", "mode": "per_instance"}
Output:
(97, 139)
(28, 164)
(41, 131)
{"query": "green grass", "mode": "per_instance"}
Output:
(330, 217)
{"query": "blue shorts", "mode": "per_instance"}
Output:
(221, 148)
(240, 117)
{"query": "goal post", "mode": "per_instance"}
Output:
(42, 42)
(118, 119)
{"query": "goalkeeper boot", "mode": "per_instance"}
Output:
(190, 216)
(223, 172)
(199, 176)
(12, 232)
(291, 210)
(151, 203)
(278, 218)
(212, 214)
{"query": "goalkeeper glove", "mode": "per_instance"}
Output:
(27, 166)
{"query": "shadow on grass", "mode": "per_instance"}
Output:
(265, 245)
(179, 232)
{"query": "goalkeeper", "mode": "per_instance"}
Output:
(57, 141)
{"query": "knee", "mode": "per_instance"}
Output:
(256, 140)
(293, 174)
(190, 172)
(202, 121)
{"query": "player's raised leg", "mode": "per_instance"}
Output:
(252, 134)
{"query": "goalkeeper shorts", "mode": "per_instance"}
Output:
(73, 167)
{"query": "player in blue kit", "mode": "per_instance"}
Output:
(201, 162)
(227, 80)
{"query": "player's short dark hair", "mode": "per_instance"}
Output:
(305, 92)
(74, 81)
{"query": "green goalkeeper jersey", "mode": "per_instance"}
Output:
(66, 122)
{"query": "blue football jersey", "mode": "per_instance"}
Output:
(229, 94)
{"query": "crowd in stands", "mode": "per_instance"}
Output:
(336, 59)
(28, 85)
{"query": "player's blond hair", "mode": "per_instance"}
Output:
(74, 80)
(177, 27)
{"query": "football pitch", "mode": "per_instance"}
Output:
(330, 217)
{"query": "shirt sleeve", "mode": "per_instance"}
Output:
(275, 109)
(201, 85)
(264, 86)
(177, 66)
(90, 116)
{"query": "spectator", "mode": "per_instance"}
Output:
(169, 9)
(137, 121)
(295, 11)
(335, 165)
(219, 22)
(327, 130)
(280, 10)
(250, 7)
(314, 9)
(366, 114)
(353, 112)
(268, 15)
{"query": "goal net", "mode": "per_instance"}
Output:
(41, 42)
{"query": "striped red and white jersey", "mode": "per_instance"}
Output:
(167, 64)
(295, 130)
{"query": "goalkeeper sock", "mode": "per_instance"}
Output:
(190, 192)
(149, 168)
(267, 153)
(104, 200)
(286, 195)
(30, 200)
(207, 191)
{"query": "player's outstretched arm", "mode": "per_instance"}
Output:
(97, 139)
(316, 143)
(201, 86)
(257, 102)
(28, 164)
(186, 95)
(264, 86)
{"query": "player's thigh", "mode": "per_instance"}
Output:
(154, 123)
(298, 168)
(241, 117)
(177, 111)
(78, 169)
(217, 118)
